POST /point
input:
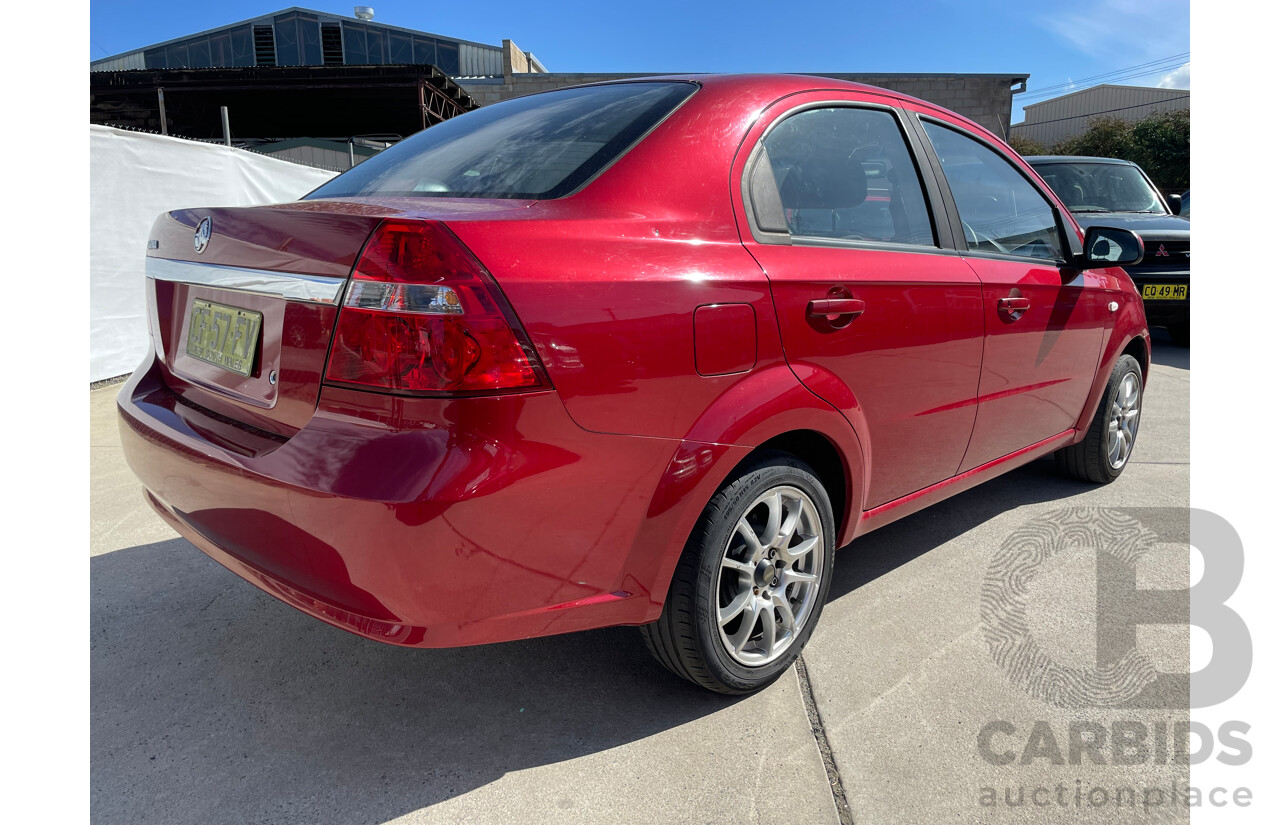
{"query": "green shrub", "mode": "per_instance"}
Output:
(1107, 137)
(1026, 146)
(1160, 143)
(1163, 147)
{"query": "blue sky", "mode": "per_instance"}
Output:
(1056, 43)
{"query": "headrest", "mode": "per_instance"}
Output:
(841, 184)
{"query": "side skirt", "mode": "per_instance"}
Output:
(914, 502)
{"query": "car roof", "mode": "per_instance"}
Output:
(1034, 159)
(782, 85)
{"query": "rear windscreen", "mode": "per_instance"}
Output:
(541, 146)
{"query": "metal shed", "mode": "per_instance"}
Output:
(1063, 117)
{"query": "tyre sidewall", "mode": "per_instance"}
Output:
(736, 498)
(1124, 366)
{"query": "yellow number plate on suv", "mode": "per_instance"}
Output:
(1165, 292)
(222, 335)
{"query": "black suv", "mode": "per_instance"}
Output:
(1110, 192)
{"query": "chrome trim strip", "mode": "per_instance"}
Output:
(315, 289)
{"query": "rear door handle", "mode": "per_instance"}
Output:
(836, 306)
(1014, 304)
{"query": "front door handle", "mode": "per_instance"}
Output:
(1012, 305)
(837, 307)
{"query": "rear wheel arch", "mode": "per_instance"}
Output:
(820, 438)
(828, 462)
(786, 414)
(768, 589)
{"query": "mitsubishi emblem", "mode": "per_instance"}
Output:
(1160, 253)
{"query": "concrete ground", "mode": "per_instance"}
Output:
(214, 703)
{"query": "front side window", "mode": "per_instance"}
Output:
(540, 146)
(1000, 210)
(1101, 187)
(846, 173)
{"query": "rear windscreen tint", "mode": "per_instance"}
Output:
(542, 146)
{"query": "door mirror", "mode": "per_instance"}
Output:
(1107, 246)
(1175, 203)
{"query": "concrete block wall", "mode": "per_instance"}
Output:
(984, 98)
(514, 59)
(492, 90)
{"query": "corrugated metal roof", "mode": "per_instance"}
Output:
(325, 16)
(1150, 92)
(1056, 119)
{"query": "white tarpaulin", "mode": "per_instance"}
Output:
(133, 178)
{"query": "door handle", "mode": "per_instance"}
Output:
(836, 306)
(1014, 304)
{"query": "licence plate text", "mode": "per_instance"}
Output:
(1165, 292)
(224, 336)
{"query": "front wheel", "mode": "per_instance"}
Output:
(1103, 454)
(752, 581)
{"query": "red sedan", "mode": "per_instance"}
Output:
(638, 353)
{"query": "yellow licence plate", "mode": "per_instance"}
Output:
(1165, 292)
(223, 335)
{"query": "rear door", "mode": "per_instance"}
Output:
(878, 314)
(1044, 322)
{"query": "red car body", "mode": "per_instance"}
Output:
(672, 344)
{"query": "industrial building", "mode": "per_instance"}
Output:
(1067, 116)
(303, 37)
(300, 78)
(984, 98)
(271, 106)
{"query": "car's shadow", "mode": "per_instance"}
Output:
(876, 554)
(1166, 353)
(212, 702)
(892, 546)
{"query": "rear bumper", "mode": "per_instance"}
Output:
(422, 522)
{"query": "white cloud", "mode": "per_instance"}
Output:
(1139, 29)
(1179, 78)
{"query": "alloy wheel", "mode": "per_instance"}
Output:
(769, 576)
(1123, 426)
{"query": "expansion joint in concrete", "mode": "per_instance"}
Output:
(824, 747)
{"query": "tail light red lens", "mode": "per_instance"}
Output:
(422, 316)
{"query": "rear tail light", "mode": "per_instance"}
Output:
(422, 316)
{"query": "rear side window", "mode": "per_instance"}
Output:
(1000, 210)
(846, 173)
(541, 146)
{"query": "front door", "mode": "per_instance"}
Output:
(1044, 322)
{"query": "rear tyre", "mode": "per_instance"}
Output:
(1180, 333)
(751, 583)
(1104, 453)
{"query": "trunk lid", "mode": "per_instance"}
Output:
(257, 290)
